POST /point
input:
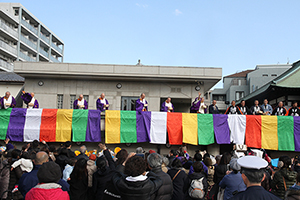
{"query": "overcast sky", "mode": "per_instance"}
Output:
(233, 34)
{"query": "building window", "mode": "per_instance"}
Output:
(239, 95)
(128, 103)
(253, 88)
(72, 99)
(265, 75)
(274, 75)
(219, 97)
(239, 82)
(60, 99)
(86, 97)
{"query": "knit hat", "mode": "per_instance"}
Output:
(117, 149)
(234, 165)
(93, 157)
(49, 172)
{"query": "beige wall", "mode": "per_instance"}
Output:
(47, 94)
(12, 88)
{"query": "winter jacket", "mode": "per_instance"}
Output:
(30, 180)
(277, 183)
(180, 183)
(293, 193)
(166, 190)
(78, 188)
(4, 177)
(15, 175)
(47, 191)
(220, 172)
(197, 176)
(232, 183)
(61, 160)
(102, 179)
(137, 190)
(210, 175)
(91, 168)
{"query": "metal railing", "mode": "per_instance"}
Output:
(56, 47)
(30, 27)
(28, 42)
(43, 37)
(8, 48)
(44, 53)
(27, 58)
(53, 59)
(9, 67)
(8, 29)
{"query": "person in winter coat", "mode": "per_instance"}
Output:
(15, 175)
(284, 178)
(103, 174)
(48, 174)
(4, 176)
(166, 190)
(293, 192)
(69, 168)
(137, 184)
(79, 181)
(233, 182)
(91, 169)
(30, 180)
(196, 175)
(210, 171)
(179, 179)
(62, 158)
(222, 168)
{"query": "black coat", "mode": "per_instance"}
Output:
(102, 179)
(138, 190)
(256, 193)
(15, 175)
(194, 176)
(166, 190)
(180, 183)
(61, 160)
(220, 172)
(78, 188)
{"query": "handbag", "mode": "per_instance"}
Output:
(212, 194)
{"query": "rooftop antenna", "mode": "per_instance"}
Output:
(139, 62)
(288, 61)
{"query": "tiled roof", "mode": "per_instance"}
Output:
(11, 77)
(239, 74)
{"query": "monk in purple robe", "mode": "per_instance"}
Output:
(102, 103)
(8, 101)
(167, 106)
(80, 103)
(141, 104)
(29, 100)
(196, 104)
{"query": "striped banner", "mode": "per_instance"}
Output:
(51, 125)
(59, 125)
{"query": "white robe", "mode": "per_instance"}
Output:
(202, 108)
(32, 101)
(80, 103)
(9, 100)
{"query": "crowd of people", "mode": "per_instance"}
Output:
(39, 171)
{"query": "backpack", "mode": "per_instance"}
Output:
(196, 189)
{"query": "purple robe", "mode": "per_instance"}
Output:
(13, 102)
(75, 104)
(139, 106)
(100, 106)
(164, 108)
(27, 99)
(195, 105)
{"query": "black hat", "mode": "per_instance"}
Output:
(49, 172)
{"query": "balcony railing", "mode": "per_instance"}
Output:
(8, 48)
(28, 42)
(8, 29)
(6, 66)
(27, 58)
(53, 59)
(44, 53)
(47, 40)
(30, 27)
(56, 48)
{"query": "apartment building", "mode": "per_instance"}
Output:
(25, 38)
